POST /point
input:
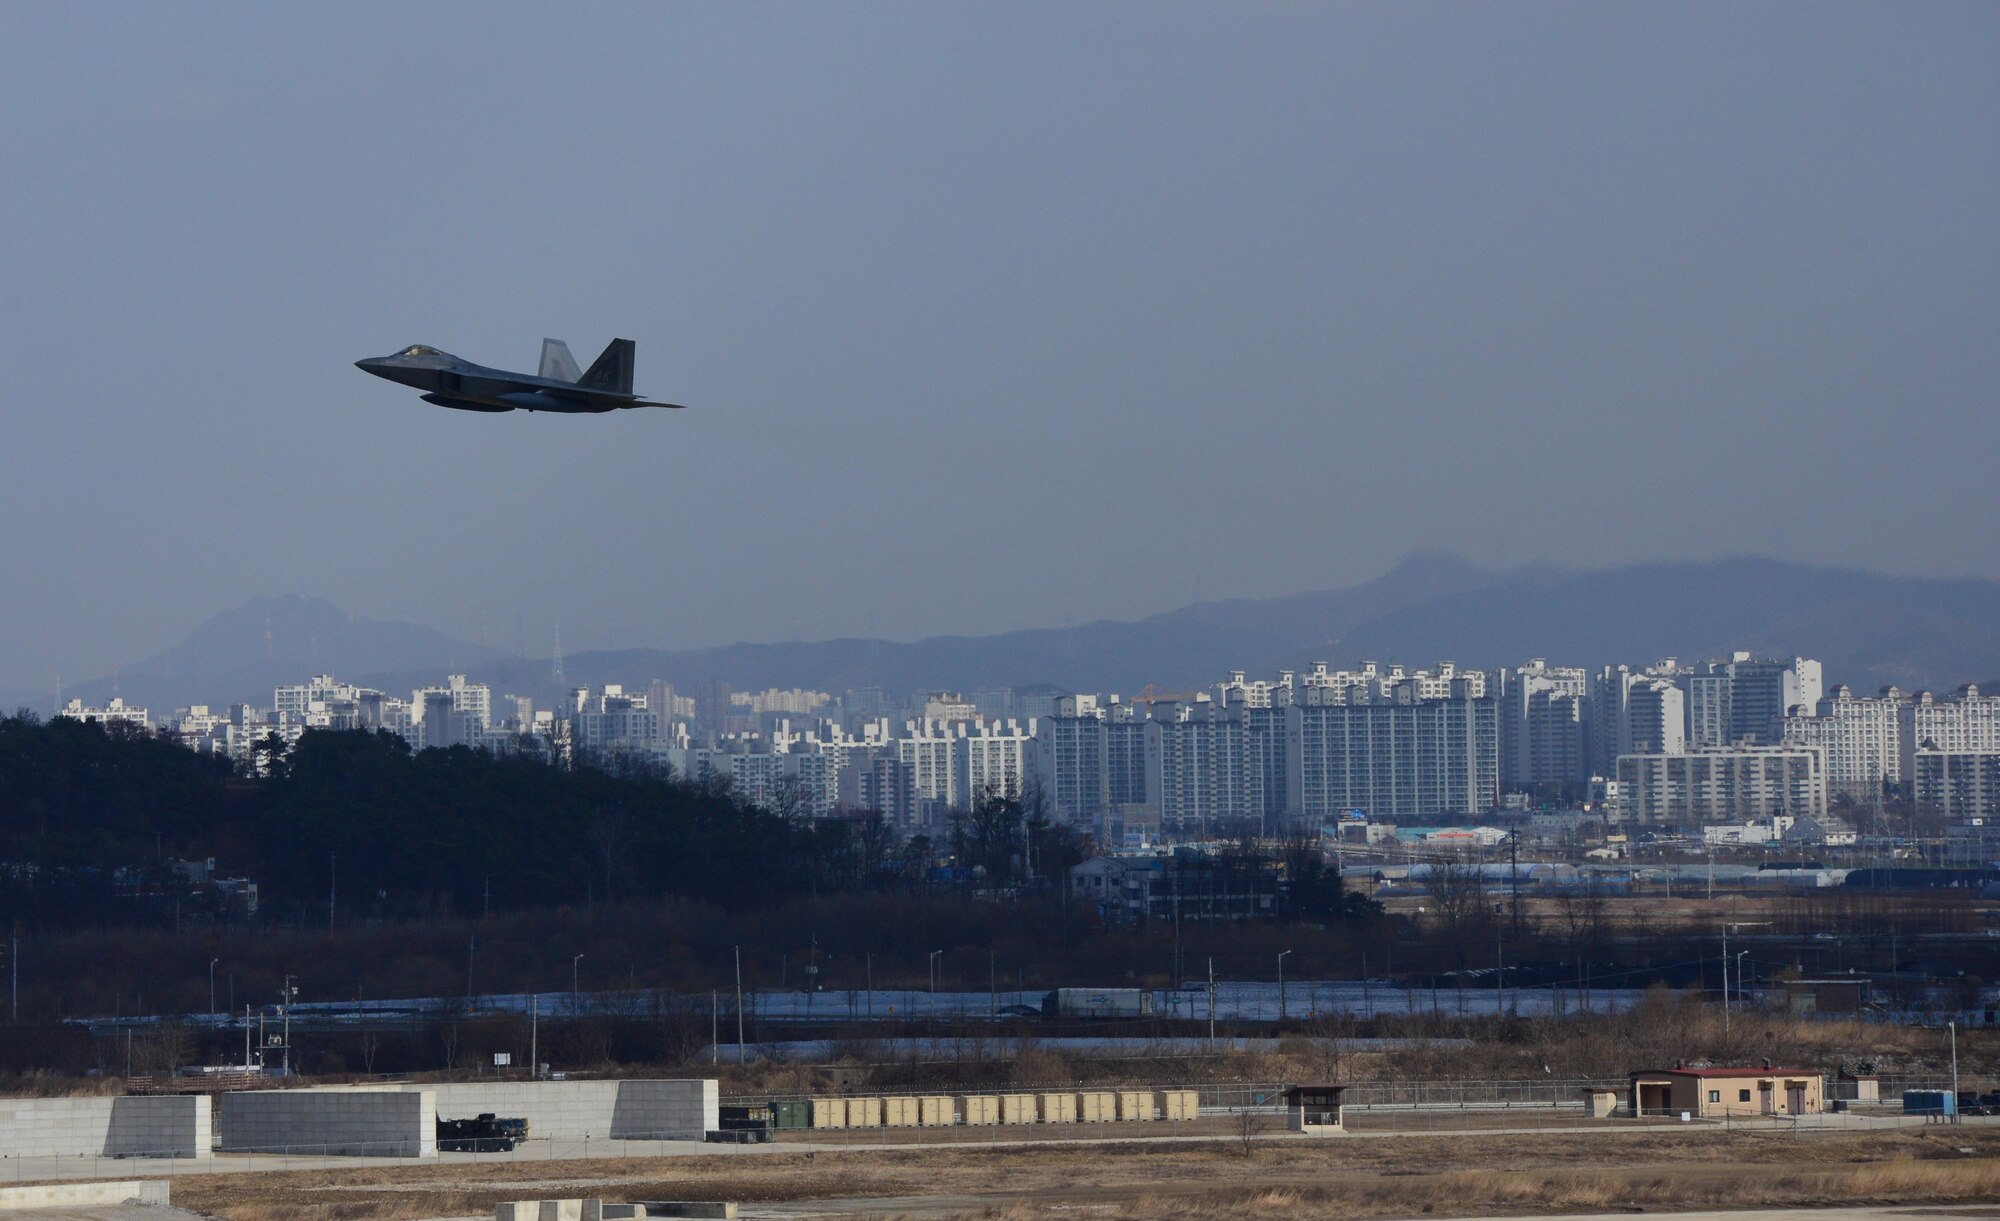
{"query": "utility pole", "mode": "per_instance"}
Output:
(1281, 986)
(739, 1004)
(714, 1028)
(211, 991)
(291, 990)
(1211, 1006)
(1514, 879)
(14, 971)
(1955, 1116)
(535, 1035)
(332, 887)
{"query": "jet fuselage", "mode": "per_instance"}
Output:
(450, 381)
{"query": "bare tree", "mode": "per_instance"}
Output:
(1458, 897)
(791, 799)
(1249, 1126)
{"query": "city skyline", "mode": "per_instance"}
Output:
(1740, 749)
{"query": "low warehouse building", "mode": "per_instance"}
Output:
(1739, 1092)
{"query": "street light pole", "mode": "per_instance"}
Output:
(1739, 976)
(211, 991)
(935, 954)
(574, 991)
(1281, 985)
(1955, 1116)
(739, 1004)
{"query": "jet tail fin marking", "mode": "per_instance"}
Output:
(557, 363)
(611, 371)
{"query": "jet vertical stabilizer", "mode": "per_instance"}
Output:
(612, 370)
(557, 363)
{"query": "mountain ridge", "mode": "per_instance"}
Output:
(1868, 629)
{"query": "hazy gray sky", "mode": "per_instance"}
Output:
(992, 315)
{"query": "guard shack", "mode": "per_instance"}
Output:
(1314, 1109)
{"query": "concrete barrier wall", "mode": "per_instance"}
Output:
(172, 1126)
(598, 1110)
(362, 1123)
(83, 1195)
(168, 1126)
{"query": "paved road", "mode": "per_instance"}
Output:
(103, 1213)
(70, 1169)
(943, 1206)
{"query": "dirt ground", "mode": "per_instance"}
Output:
(1266, 1176)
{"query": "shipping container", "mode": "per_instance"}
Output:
(899, 1112)
(792, 1116)
(937, 1111)
(1097, 1106)
(1017, 1108)
(864, 1112)
(980, 1110)
(1179, 1104)
(829, 1112)
(1135, 1104)
(1058, 1108)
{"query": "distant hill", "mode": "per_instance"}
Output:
(1868, 629)
(240, 655)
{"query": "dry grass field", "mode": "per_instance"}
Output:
(1268, 1177)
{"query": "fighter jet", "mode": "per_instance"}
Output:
(558, 386)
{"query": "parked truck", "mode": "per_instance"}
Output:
(1098, 1003)
(486, 1134)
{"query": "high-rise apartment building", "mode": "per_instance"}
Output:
(1962, 785)
(1722, 784)
(1861, 737)
(1407, 756)
(1544, 732)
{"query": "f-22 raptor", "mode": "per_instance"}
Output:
(452, 382)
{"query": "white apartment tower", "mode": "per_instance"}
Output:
(1861, 737)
